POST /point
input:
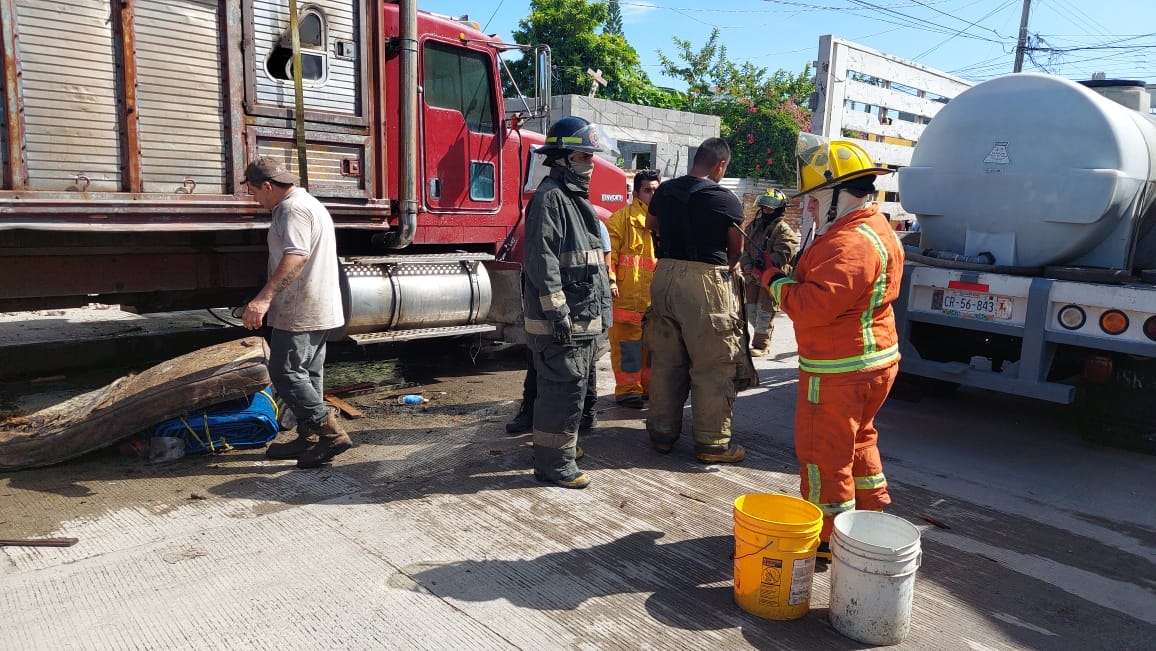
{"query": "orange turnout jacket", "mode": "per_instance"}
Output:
(840, 296)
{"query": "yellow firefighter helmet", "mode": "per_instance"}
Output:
(826, 163)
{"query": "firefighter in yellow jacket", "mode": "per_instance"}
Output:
(632, 266)
(839, 299)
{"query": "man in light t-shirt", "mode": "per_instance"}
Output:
(302, 303)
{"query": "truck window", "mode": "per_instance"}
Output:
(314, 57)
(458, 79)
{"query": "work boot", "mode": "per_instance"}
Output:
(332, 441)
(760, 345)
(292, 449)
(523, 421)
(823, 557)
(734, 454)
(306, 436)
(578, 480)
(632, 400)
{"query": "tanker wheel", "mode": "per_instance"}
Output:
(1121, 412)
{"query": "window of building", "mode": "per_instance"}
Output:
(311, 29)
(459, 79)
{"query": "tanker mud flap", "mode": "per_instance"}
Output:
(1121, 412)
(506, 310)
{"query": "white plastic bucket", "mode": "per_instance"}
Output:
(874, 558)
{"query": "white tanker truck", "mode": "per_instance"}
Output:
(1035, 272)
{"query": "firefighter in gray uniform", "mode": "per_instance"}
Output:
(567, 296)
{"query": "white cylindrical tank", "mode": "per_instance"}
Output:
(1035, 170)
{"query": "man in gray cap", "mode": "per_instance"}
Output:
(301, 301)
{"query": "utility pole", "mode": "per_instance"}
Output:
(1022, 44)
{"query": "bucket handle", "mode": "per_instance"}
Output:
(757, 551)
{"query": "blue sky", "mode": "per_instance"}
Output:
(974, 39)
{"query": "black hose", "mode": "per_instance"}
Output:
(916, 255)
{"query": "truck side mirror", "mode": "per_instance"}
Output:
(542, 76)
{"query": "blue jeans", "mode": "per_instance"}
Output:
(296, 369)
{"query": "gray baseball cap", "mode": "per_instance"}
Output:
(267, 168)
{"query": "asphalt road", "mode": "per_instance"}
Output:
(431, 533)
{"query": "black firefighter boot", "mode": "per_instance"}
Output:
(524, 421)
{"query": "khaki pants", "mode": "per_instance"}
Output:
(694, 334)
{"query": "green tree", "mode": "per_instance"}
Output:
(613, 18)
(577, 33)
(761, 116)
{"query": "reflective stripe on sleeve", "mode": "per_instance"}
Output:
(553, 301)
(580, 258)
(776, 288)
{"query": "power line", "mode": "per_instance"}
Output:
(949, 38)
(492, 15)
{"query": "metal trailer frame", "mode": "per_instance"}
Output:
(1038, 349)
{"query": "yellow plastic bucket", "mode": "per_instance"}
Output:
(775, 541)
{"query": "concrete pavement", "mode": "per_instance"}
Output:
(436, 536)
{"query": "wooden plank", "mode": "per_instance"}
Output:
(349, 388)
(345, 407)
(39, 542)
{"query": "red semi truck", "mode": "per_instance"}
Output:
(125, 127)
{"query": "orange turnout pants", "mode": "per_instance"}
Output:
(835, 441)
(628, 357)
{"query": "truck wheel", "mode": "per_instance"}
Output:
(1121, 412)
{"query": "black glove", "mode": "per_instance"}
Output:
(564, 330)
(760, 261)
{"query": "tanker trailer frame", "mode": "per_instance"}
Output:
(125, 128)
(987, 306)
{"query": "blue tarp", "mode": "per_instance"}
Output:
(247, 423)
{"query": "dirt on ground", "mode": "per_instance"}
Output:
(465, 383)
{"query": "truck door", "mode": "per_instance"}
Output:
(460, 130)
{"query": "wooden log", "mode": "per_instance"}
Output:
(185, 384)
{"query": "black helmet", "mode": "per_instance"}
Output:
(574, 134)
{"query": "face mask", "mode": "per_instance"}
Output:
(823, 200)
(585, 170)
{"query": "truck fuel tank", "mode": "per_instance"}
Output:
(415, 293)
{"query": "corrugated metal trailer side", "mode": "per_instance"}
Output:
(124, 127)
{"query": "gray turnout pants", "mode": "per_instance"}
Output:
(563, 372)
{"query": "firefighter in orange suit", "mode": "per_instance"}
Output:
(839, 299)
(632, 266)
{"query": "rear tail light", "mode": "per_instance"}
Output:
(1113, 322)
(1097, 369)
(1150, 328)
(1072, 317)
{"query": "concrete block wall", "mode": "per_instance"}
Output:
(670, 137)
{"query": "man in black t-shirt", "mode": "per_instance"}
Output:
(692, 327)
